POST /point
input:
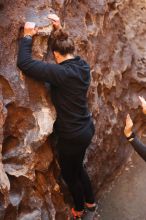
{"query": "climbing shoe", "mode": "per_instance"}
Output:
(77, 215)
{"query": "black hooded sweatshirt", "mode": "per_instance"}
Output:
(69, 81)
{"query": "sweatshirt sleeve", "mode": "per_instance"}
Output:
(52, 73)
(139, 147)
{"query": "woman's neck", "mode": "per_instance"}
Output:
(64, 58)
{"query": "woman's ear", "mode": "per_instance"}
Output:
(56, 56)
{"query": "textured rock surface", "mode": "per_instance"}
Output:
(110, 35)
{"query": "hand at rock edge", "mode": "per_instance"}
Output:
(30, 29)
(128, 127)
(55, 21)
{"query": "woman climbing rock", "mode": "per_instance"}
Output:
(69, 79)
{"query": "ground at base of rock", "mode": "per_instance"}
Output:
(127, 199)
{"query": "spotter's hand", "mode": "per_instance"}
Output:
(128, 127)
(143, 103)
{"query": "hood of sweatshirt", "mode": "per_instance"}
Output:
(78, 65)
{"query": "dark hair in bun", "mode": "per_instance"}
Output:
(61, 42)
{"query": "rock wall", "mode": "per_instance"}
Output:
(110, 35)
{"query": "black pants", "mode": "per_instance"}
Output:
(71, 155)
